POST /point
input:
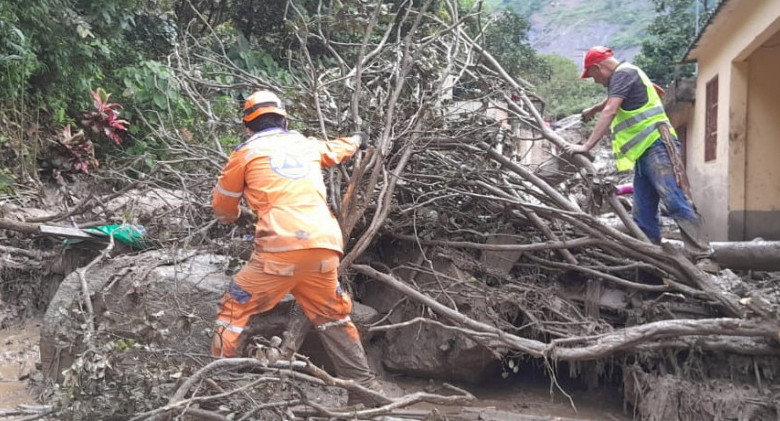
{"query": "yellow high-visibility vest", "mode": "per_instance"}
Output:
(634, 131)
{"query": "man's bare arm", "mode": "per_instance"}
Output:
(602, 124)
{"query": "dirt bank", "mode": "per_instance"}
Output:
(18, 360)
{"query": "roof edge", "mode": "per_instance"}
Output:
(687, 56)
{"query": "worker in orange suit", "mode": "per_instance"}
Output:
(298, 242)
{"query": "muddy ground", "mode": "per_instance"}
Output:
(18, 360)
(517, 390)
(501, 396)
(133, 292)
(498, 399)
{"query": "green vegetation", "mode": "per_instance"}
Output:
(524, 8)
(671, 33)
(556, 78)
(67, 48)
(564, 92)
(54, 53)
(507, 39)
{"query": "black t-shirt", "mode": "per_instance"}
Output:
(625, 83)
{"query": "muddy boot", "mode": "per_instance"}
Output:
(368, 400)
(696, 244)
(342, 343)
(708, 265)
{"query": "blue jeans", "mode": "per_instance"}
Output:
(654, 181)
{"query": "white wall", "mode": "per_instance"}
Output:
(721, 188)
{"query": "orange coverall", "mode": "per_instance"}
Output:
(298, 242)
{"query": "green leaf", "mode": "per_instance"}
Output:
(6, 180)
(160, 101)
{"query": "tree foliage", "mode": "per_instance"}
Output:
(555, 77)
(564, 91)
(507, 38)
(671, 34)
(55, 52)
(69, 47)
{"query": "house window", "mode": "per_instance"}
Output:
(711, 121)
(682, 136)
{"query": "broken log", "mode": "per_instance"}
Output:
(25, 227)
(743, 255)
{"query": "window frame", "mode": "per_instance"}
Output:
(711, 120)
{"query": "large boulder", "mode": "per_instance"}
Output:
(169, 303)
(427, 350)
(152, 298)
(158, 299)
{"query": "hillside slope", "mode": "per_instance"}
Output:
(569, 27)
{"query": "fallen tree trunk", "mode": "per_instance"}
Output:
(25, 227)
(744, 255)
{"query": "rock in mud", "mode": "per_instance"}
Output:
(150, 298)
(154, 299)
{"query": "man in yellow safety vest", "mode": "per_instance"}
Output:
(643, 140)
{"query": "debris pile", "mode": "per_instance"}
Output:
(476, 244)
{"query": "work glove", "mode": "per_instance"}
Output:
(362, 138)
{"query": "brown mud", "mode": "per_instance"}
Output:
(511, 399)
(524, 400)
(18, 359)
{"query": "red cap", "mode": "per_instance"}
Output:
(595, 55)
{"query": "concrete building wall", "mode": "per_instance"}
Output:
(709, 179)
(762, 153)
(737, 41)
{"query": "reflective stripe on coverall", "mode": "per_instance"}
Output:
(279, 174)
(298, 242)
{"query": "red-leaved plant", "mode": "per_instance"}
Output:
(105, 118)
(78, 152)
